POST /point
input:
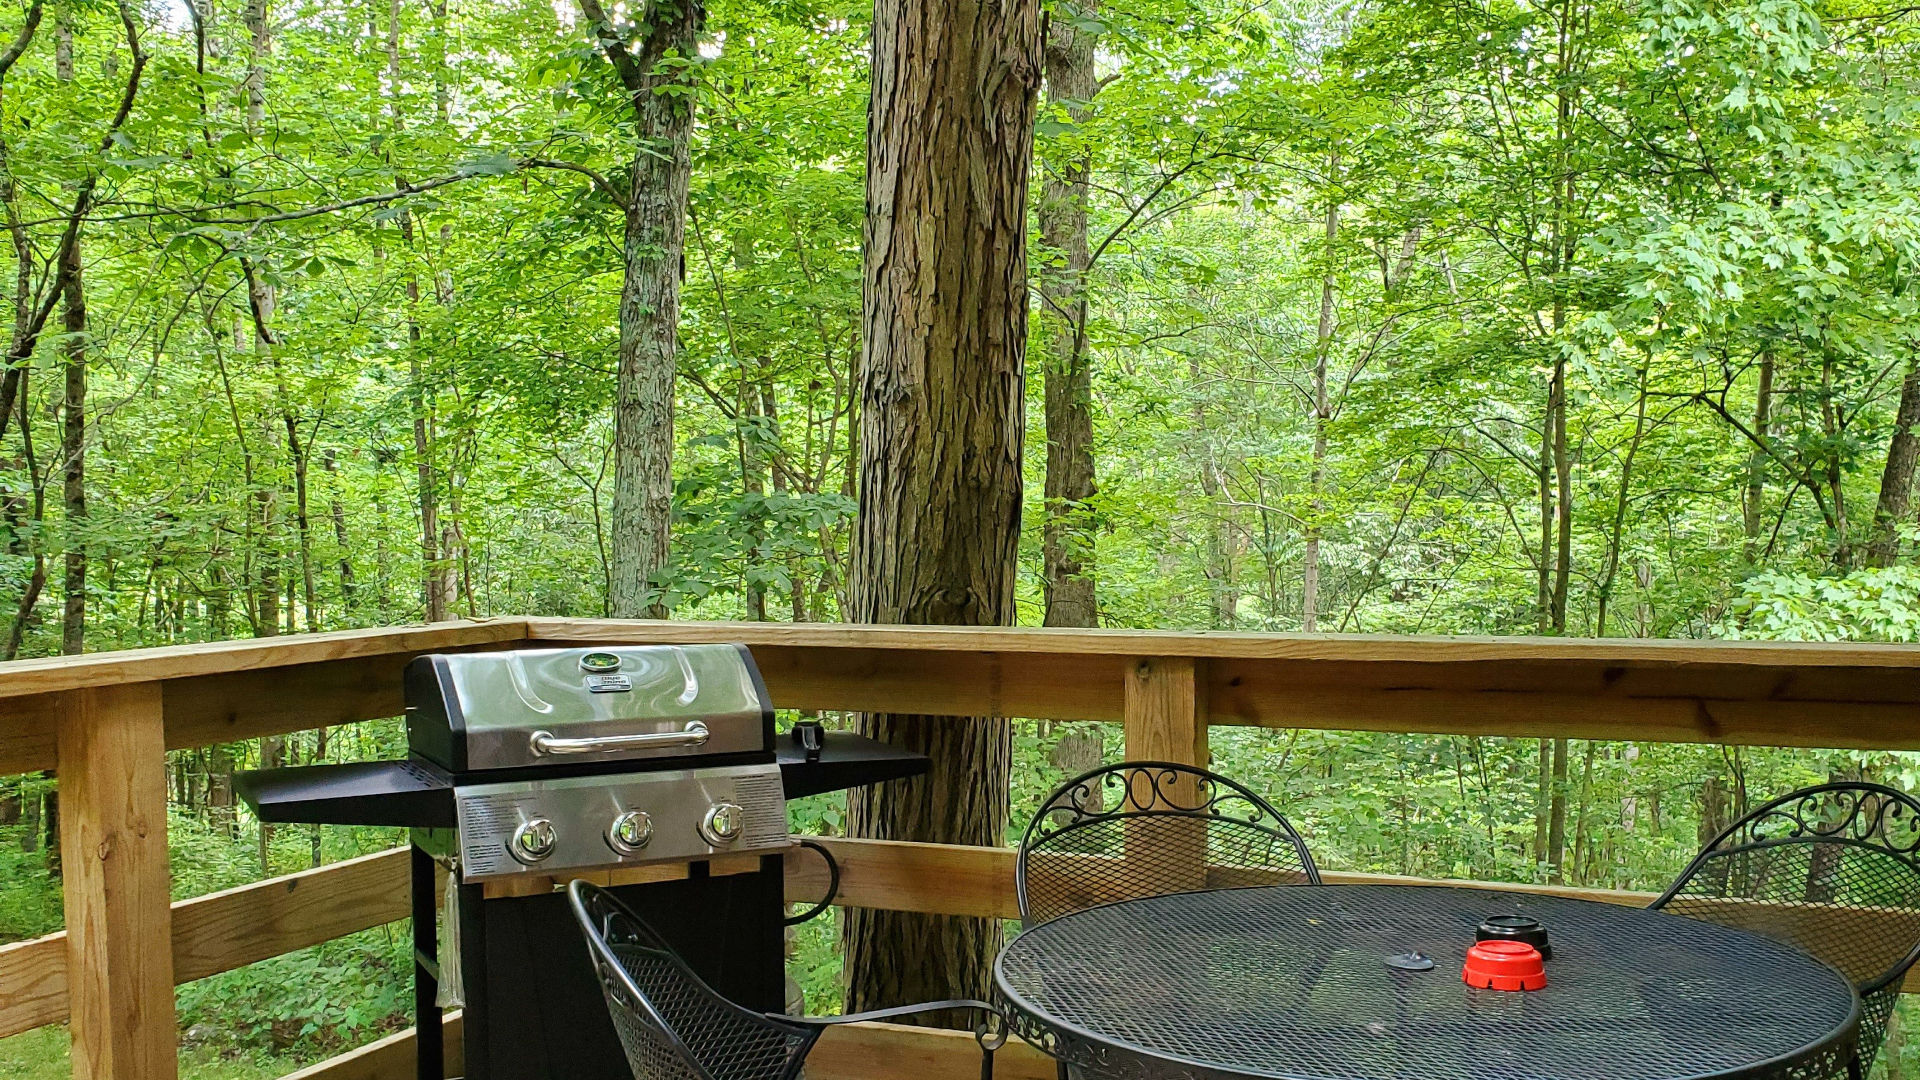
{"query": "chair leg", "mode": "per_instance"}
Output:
(1063, 1070)
(986, 1064)
(1854, 1071)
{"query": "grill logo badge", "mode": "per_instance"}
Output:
(608, 684)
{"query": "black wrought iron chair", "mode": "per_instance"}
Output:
(1151, 828)
(1833, 870)
(674, 1026)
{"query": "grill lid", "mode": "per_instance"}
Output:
(469, 712)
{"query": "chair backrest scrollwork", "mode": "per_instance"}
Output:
(1149, 828)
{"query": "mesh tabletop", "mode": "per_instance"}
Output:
(1292, 982)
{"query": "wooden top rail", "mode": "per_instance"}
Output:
(1862, 696)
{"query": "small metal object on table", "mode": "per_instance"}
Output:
(1302, 984)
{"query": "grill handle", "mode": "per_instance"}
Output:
(546, 742)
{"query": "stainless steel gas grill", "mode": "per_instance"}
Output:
(653, 770)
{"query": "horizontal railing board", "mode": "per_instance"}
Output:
(394, 1057)
(869, 1051)
(1239, 696)
(33, 983)
(863, 1051)
(951, 879)
(896, 875)
(224, 930)
(27, 732)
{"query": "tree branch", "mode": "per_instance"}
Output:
(401, 190)
(631, 75)
(599, 181)
(22, 40)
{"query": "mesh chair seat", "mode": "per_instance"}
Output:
(673, 1026)
(1150, 828)
(1833, 870)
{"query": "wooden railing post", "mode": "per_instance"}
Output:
(1166, 710)
(1166, 720)
(112, 757)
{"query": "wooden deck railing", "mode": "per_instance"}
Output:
(105, 721)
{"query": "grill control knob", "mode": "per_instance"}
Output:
(723, 823)
(532, 841)
(630, 832)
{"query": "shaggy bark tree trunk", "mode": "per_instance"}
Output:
(949, 142)
(1896, 480)
(73, 456)
(1067, 540)
(73, 407)
(653, 255)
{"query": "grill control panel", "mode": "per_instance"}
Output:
(586, 821)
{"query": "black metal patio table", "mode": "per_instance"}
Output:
(1292, 982)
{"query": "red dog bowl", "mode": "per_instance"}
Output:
(1504, 965)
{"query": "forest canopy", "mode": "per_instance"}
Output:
(1504, 317)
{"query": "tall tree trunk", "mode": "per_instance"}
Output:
(750, 440)
(73, 407)
(262, 299)
(1563, 487)
(1582, 830)
(337, 509)
(949, 142)
(382, 578)
(1835, 463)
(50, 826)
(1557, 817)
(432, 595)
(63, 30)
(73, 456)
(432, 566)
(1317, 472)
(266, 557)
(260, 33)
(273, 754)
(14, 504)
(1757, 461)
(23, 614)
(1896, 480)
(659, 77)
(1564, 240)
(303, 531)
(1223, 600)
(1617, 536)
(1542, 801)
(1068, 538)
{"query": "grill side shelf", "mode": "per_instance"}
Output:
(846, 760)
(402, 793)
